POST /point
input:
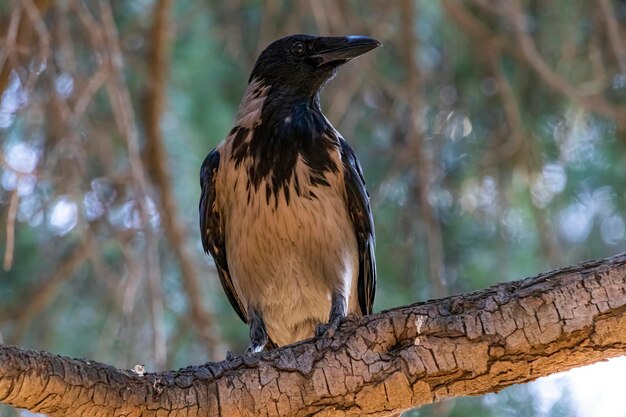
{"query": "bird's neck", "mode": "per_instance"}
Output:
(281, 128)
(282, 115)
(263, 103)
(295, 121)
(289, 102)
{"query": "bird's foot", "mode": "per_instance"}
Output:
(254, 347)
(258, 334)
(229, 355)
(328, 329)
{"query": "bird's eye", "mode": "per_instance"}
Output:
(298, 48)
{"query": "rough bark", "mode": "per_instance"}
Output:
(406, 357)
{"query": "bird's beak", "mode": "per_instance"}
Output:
(342, 49)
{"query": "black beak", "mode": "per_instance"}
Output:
(342, 49)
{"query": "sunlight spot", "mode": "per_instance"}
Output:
(550, 182)
(601, 201)
(38, 65)
(515, 224)
(395, 190)
(21, 157)
(64, 85)
(458, 125)
(479, 196)
(596, 390)
(63, 216)
(14, 97)
(578, 136)
(104, 191)
(30, 210)
(25, 185)
(9, 180)
(129, 215)
(612, 229)
(575, 223)
(554, 177)
(92, 206)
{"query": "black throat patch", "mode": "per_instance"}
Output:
(289, 128)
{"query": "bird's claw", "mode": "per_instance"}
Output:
(229, 355)
(254, 348)
(327, 329)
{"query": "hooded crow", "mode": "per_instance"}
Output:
(284, 211)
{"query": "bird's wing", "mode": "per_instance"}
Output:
(361, 214)
(211, 229)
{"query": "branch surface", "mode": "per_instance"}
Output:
(379, 365)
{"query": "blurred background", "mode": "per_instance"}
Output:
(492, 135)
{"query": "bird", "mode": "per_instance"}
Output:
(284, 211)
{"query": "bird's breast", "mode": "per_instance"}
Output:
(288, 251)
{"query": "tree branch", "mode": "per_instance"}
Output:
(406, 357)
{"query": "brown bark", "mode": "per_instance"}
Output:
(406, 357)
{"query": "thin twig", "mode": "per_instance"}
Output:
(613, 33)
(526, 51)
(95, 82)
(91, 26)
(34, 12)
(8, 53)
(125, 118)
(422, 164)
(120, 97)
(156, 157)
(10, 248)
(517, 131)
(529, 50)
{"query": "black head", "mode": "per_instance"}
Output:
(302, 64)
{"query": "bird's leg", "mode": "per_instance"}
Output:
(258, 332)
(338, 308)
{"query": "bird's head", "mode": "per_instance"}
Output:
(301, 64)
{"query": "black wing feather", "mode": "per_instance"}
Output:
(361, 214)
(213, 240)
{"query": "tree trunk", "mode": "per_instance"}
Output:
(379, 365)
